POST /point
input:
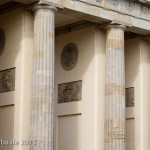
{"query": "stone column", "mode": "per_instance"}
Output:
(42, 122)
(115, 89)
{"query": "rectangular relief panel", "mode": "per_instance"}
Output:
(130, 97)
(70, 92)
(7, 80)
(69, 132)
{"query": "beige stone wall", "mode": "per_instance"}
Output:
(6, 126)
(137, 56)
(85, 115)
(145, 94)
(132, 63)
(18, 27)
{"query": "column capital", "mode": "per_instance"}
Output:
(39, 6)
(123, 27)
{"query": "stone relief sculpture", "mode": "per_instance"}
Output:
(69, 56)
(130, 97)
(7, 80)
(69, 92)
(115, 2)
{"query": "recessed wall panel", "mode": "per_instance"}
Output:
(69, 132)
(6, 127)
(130, 132)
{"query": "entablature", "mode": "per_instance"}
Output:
(134, 8)
(135, 14)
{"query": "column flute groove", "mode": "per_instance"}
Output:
(42, 123)
(115, 89)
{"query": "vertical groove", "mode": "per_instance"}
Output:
(115, 96)
(43, 79)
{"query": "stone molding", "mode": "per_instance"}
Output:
(39, 6)
(115, 26)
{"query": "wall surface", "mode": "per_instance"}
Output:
(145, 94)
(18, 27)
(137, 56)
(82, 122)
(6, 126)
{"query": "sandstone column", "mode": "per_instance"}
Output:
(43, 78)
(115, 89)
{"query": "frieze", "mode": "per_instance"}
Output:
(123, 6)
(7, 80)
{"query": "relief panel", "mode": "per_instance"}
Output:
(130, 97)
(69, 92)
(7, 80)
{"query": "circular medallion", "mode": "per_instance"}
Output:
(69, 56)
(2, 41)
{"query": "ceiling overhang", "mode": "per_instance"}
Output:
(19, 1)
(26, 1)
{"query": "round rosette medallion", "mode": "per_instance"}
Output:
(69, 56)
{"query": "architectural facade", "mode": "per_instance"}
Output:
(74, 75)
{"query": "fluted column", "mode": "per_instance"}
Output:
(43, 78)
(115, 89)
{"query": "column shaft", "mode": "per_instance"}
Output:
(43, 79)
(115, 89)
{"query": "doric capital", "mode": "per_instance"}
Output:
(123, 27)
(39, 6)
